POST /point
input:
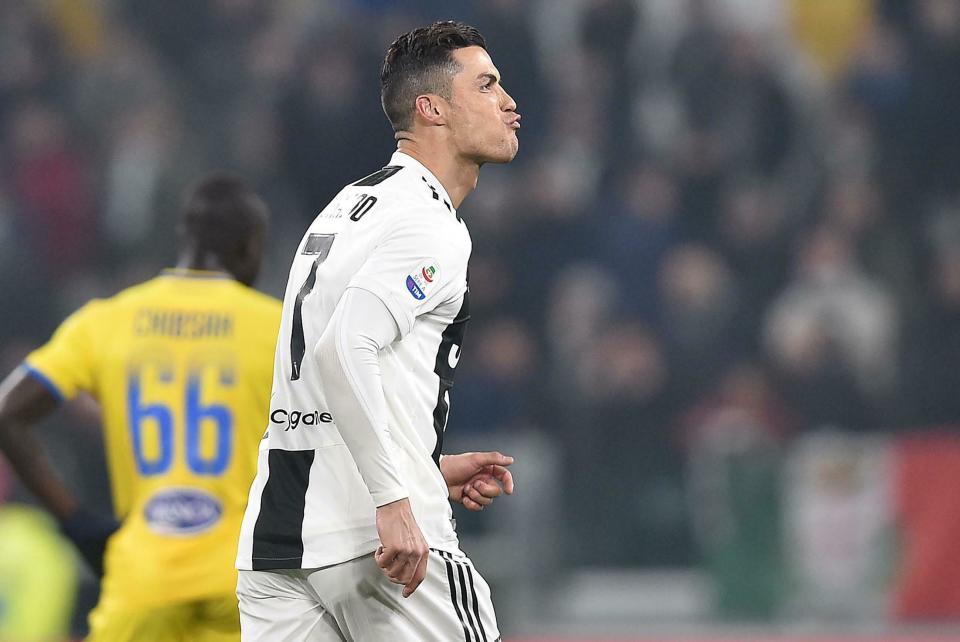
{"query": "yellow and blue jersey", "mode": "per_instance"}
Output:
(182, 367)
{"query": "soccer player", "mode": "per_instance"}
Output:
(181, 366)
(350, 510)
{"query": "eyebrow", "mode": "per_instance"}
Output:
(488, 76)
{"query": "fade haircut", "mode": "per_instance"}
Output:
(419, 62)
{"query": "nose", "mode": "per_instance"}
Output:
(509, 104)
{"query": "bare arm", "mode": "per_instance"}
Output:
(23, 402)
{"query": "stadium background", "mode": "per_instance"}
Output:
(717, 296)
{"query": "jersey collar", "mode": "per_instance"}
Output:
(405, 160)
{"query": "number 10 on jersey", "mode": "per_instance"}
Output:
(197, 418)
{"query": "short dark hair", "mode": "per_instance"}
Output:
(419, 62)
(220, 215)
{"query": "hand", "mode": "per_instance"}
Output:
(403, 553)
(475, 479)
(89, 533)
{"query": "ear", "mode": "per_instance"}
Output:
(255, 246)
(432, 109)
(246, 266)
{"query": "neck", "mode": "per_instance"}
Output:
(457, 174)
(191, 260)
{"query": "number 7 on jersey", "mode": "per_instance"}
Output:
(316, 245)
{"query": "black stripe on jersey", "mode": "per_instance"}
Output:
(436, 195)
(450, 340)
(277, 535)
(476, 605)
(379, 176)
(433, 190)
(453, 593)
(440, 413)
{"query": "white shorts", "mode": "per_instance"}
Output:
(354, 601)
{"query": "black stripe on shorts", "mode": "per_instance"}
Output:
(464, 600)
(453, 593)
(476, 606)
(277, 535)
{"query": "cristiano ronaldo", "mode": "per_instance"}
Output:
(348, 532)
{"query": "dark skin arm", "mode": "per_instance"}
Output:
(24, 401)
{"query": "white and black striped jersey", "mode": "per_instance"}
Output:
(394, 234)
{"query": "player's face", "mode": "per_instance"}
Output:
(484, 119)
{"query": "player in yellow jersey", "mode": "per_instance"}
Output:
(181, 366)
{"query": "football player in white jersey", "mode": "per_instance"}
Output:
(348, 534)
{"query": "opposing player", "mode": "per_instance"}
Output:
(350, 511)
(181, 366)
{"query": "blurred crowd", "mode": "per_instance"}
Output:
(729, 219)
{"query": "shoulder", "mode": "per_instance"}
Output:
(99, 309)
(88, 324)
(102, 316)
(130, 296)
(111, 309)
(87, 317)
(400, 188)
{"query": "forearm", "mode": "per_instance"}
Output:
(24, 401)
(348, 356)
(32, 465)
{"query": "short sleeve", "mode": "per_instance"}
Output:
(414, 270)
(66, 363)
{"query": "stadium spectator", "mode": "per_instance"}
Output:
(499, 390)
(623, 385)
(699, 313)
(637, 230)
(832, 299)
(49, 178)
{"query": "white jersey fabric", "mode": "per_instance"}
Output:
(313, 503)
